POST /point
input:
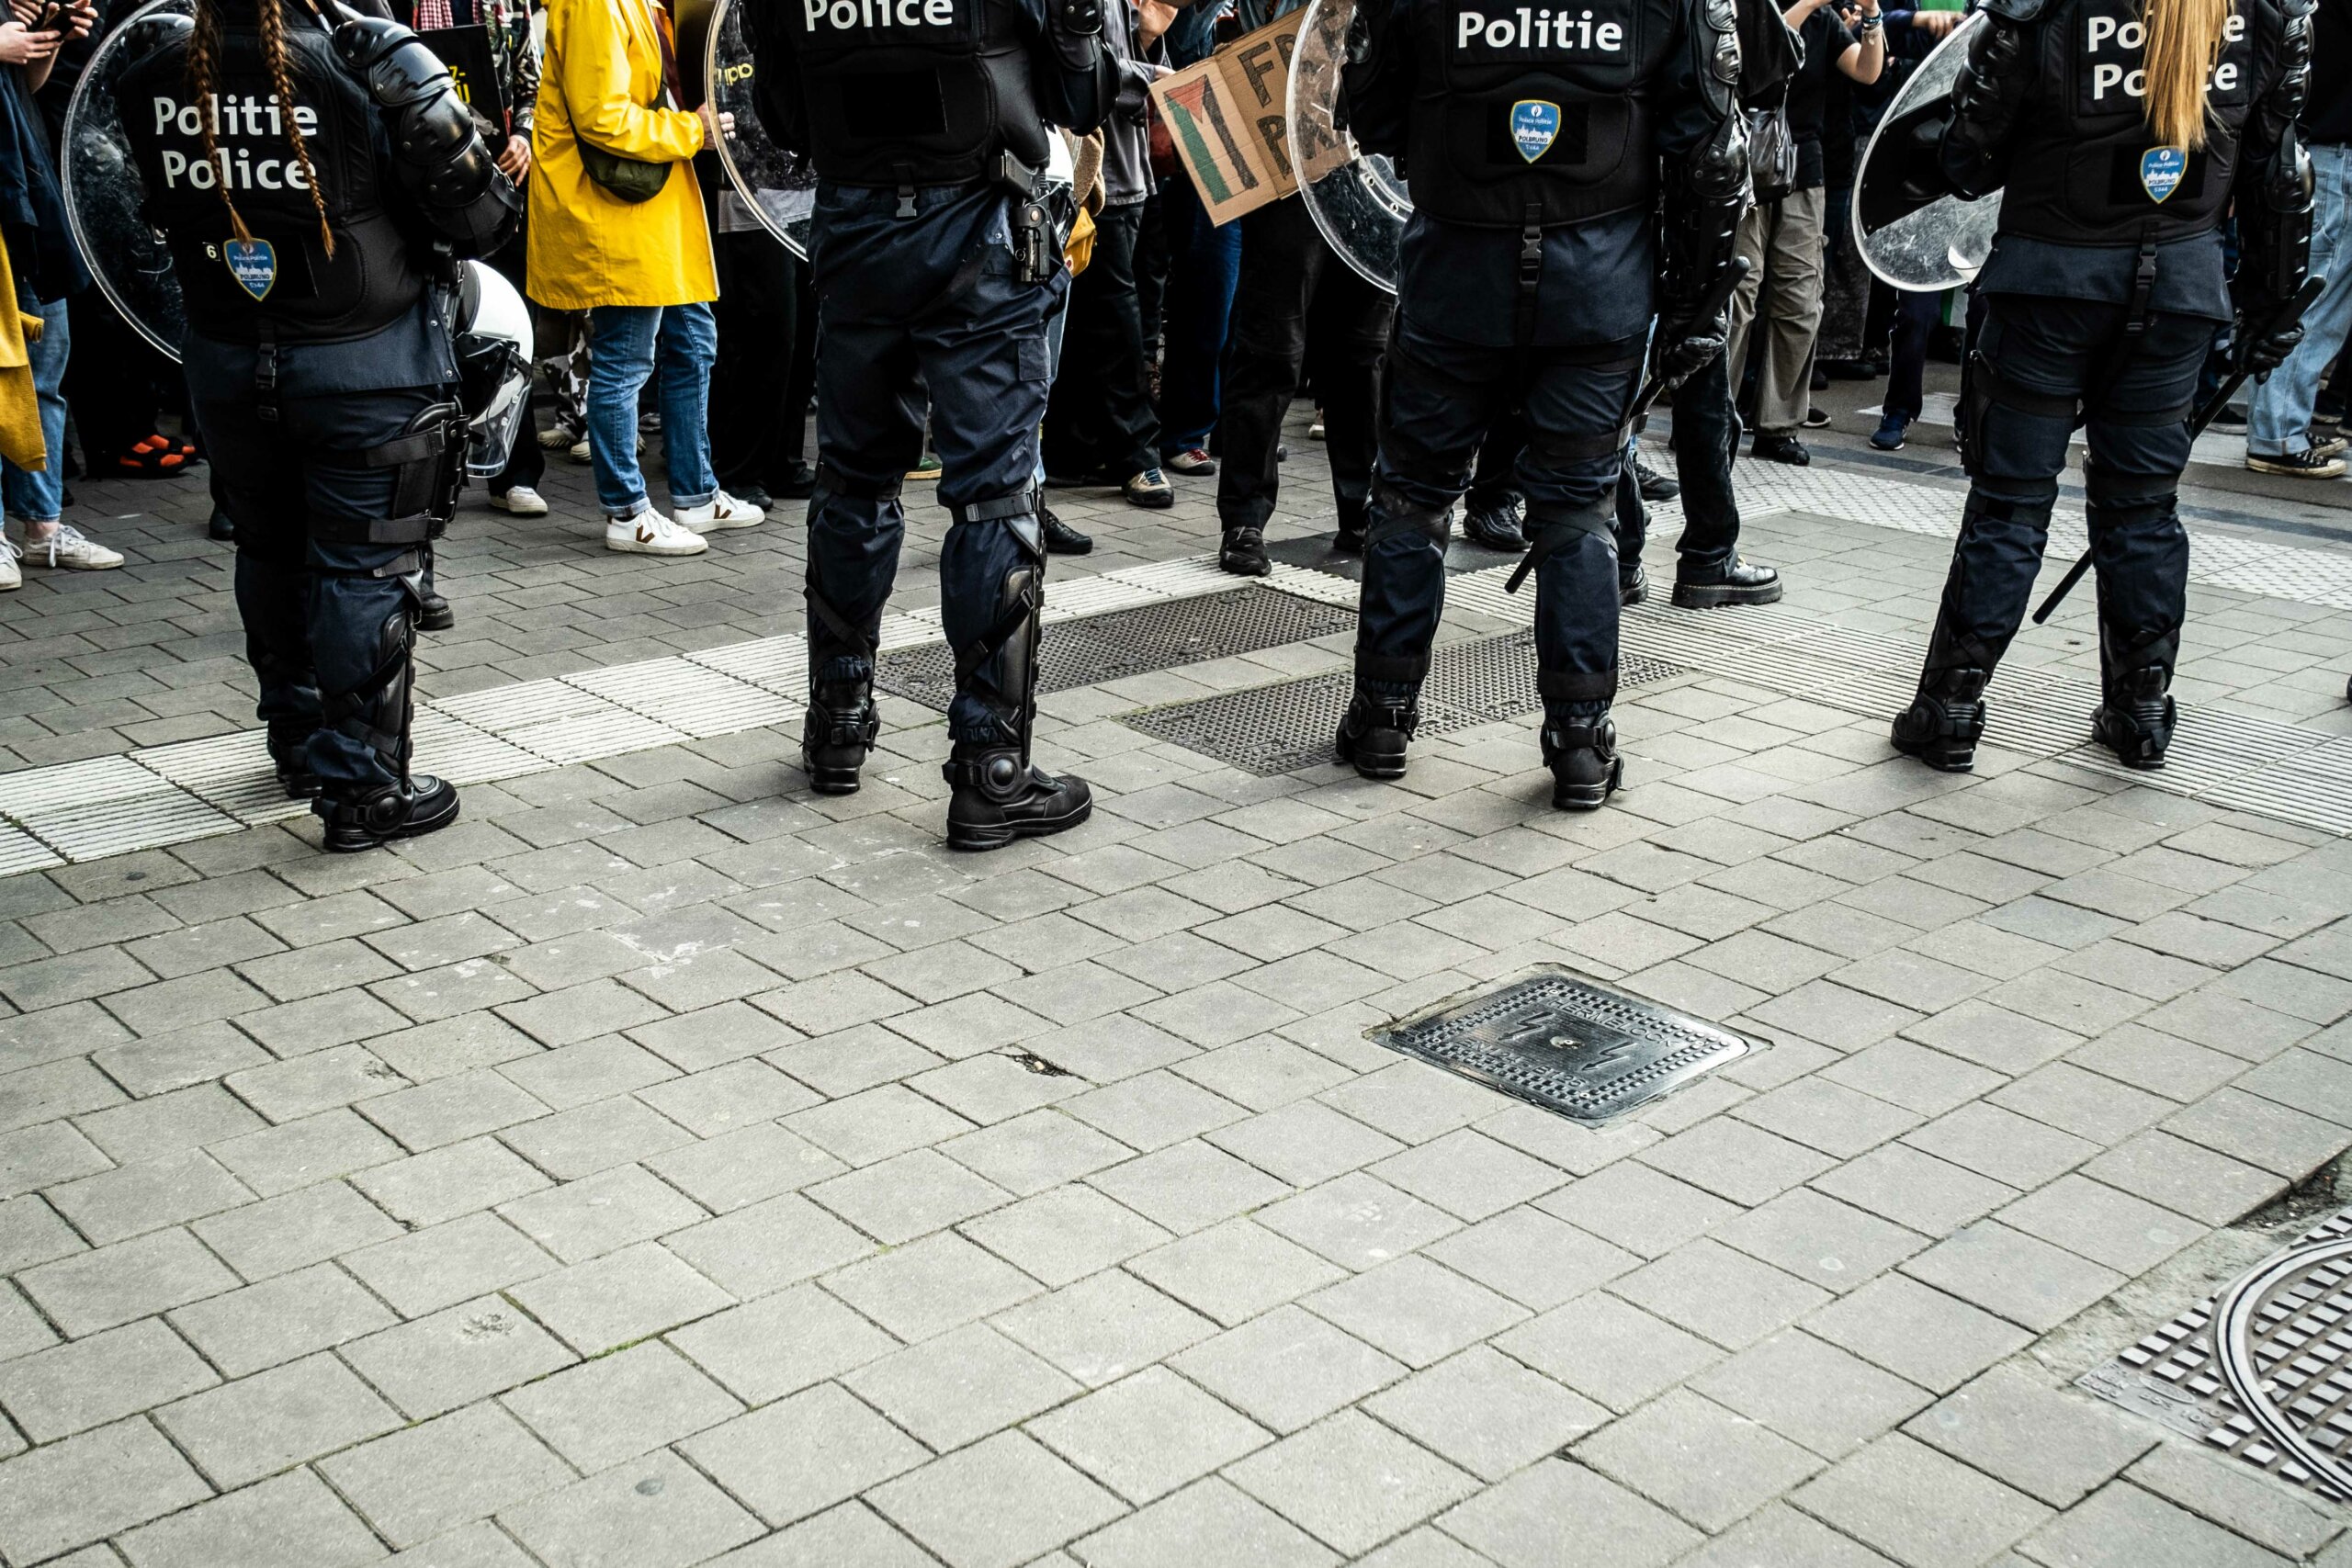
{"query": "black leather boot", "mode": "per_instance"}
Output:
(2135, 717)
(289, 754)
(418, 804)
(1494, 523)
(433, 613)
(836, 733)
(1244, 553)
(1633, 583)
(1944, 721)
(1582, 755)
(1061, 539)
(1001, 796)
(1375, 732)
(1732, 582)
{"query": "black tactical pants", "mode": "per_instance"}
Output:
(2037, 361)
(1706, 438)
(328, 623)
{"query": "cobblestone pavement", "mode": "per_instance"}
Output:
(667, 1166)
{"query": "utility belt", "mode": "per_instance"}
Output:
(1036, 246)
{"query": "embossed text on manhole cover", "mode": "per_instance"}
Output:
(1561, 1042)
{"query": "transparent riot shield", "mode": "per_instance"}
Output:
(1911, 231)
(1354, 196)
(103, 192)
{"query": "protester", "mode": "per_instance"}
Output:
(1204, 264)
(642, 269)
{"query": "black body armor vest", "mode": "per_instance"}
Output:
(292, 292)
(915, 92)
(1537, 113)
(2087, 170)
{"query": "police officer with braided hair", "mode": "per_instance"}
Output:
(2121, 131)
(315, 175)
(936, 267)
(1575, 170)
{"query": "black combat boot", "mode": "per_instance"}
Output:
(1244, 553)
(418, 804)
(1001, 796)
(1941, 726)
(2135, 717)
(1582, 754)
(1729, 582)
(836, 733)
(1375, 733)
(290, 755)
(1633, 581)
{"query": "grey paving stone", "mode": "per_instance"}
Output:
(1357, 1220)
(295, 1229)
(620, 1406)
(2281, 1518)
(1189, 1185)
(1731, 1298)
(1778, 1535)
(736, 1169)
(425, 1189)
(275, 1419)
(1517, 1524)
(2052, 1444)
(88, 1487)
(2108, 1226)
(451, 1109)
(1288, 1369)
(2181, 1175)
(1608, 1350)
(589, 1138)
(427, 1270)
(931, 1286)
(1351, 1480)
(1415, 1310)
(1062, 1235)
(31, 1232)
(995, 1504)
(1234, 1271)
(620, 1297)
(1209, 1522)
(109, 1285)
(280, 1159)
(878, 1124)
(1919, 1506)
(167, 1124)
(455, 1357)
(781, 1344)
(1707, 1463)
(415, 1483)
(1532, 1258)
(292, 1521)
(280, 1319)
(850, 1533)
(2018, 1275)
(1485, 1412)
(908, 1195)
(1928, 1195)
(2261, 1132)
(1931, 1339)
(1305, 1142)
(1104, 1327)
(88, 1382)
(2122, 1525)
(601, 1213)
(1745, 1165)
(1149, 1434)
(1825, 1398)
(961, 1386)
(1640, 1209)
(769, 1246)
(656, 1511)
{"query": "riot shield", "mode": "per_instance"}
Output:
(780, 190)
(1354, 196)
(1911, 231)
(103, 193)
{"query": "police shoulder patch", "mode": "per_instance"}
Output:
(2161, 169)
(1534, 126)
(253, 263)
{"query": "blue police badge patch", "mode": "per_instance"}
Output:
(1534, 125)
(253, 263)
(2160, 171)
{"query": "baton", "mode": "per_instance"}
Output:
(1710, 305)
(2289, 311)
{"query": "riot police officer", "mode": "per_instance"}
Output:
(315, 176)
(2122, 131)
(936, 267)
(1541, 145)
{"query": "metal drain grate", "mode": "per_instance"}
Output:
(1096, 648)
(2278, 1395)
(1568, 1045)
(1272, 730)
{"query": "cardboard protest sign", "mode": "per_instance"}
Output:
(1226, 116)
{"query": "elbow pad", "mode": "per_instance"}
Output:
(436, 147)
(1705, 200)
(1987, 100)
(1075, 29)
(2275, 227)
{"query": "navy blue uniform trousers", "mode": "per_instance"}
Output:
(2037, 360)
(906, 307)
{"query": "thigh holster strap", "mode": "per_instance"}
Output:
(1999, 388)
(1392, 516)
(1555, 530)
(1017, 511)
(853, 638)
(832, 482)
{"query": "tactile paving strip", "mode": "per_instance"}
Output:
(1135, 641)
(1558, 1041)
(1272, 730)
(2296, 1347)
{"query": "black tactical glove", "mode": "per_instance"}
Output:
(2258, 353)
(1687, 345)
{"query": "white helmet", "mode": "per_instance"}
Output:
(493, 344)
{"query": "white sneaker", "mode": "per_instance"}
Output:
(10, 578)
(579, 453)
(522, 500)
(70, 549)
(556, 438)
(721, 510)
(650, 534)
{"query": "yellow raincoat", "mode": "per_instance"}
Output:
(20, 434)
(587, 247)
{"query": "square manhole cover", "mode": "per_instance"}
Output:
(1560, 1042)
(1090, 649)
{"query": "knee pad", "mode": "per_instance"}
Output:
(1390, 515)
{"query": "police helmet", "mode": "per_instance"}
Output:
(493, 341)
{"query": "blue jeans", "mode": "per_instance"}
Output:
(41, 497)
(626, 344)
(1203, 265)
(1054, 324)
(2278, 419)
